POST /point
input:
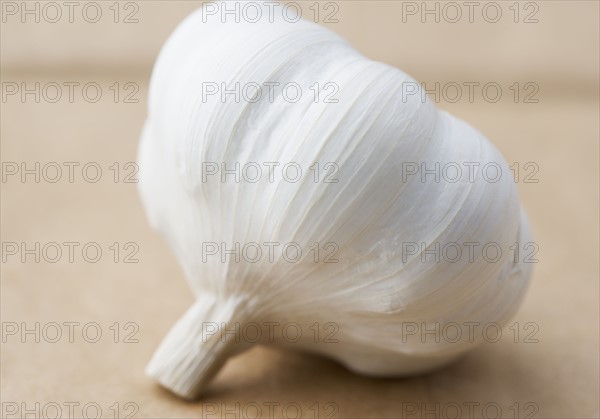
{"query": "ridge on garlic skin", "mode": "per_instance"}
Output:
(369, 213)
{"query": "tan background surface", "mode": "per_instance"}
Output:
(559, 374)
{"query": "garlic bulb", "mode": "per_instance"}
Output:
(298, 182)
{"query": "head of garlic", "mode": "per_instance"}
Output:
(367, 213)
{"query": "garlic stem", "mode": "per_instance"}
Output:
(197, 346)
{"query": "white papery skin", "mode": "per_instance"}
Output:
(369, 213)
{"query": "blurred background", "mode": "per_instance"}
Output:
(88, 290)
